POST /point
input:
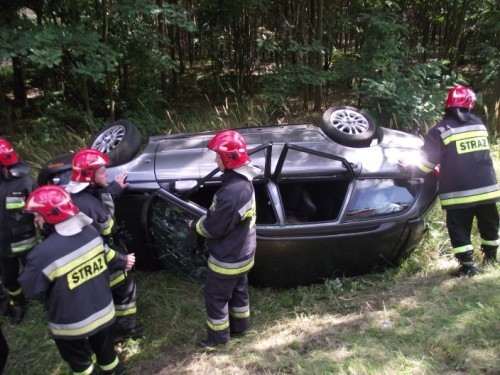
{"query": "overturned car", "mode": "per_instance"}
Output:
(331, 200)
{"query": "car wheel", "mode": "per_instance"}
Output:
(119, 140)
(348, 126)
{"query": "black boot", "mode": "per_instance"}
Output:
(118, 370)
(489, 255)
(207, 344)
(126, 328)
(467, 267)
(17, 309)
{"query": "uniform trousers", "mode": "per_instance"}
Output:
(10, 269)
(459, 223)
(77, 352)
(125, 300)
(227, 306)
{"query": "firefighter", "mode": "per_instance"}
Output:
(93, 196)
(229, 226)
(68, 271)
(468, 187)
(17, 231)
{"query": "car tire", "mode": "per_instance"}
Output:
(348, 126)
(120, 140)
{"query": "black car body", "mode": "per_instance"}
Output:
(324, 209)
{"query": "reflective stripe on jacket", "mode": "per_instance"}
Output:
(467, 176)
(17, 231)
(70, 273)
(103, 222)
(229, 226)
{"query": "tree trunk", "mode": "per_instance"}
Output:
(109, 77)
(85, 93)
(20, 97)
(318, 90)
(182, 68)
(4, 110)
(459, 27)
(491, 99)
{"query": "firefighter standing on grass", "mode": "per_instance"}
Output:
(229, 227)
(94, 197)
(468, 187)
(68, 270)
(17, 231)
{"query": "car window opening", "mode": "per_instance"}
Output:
(265, 209)
(382, 198)
(319, 201)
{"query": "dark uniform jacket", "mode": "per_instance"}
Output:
(467, 177)
(108, 194)
(229, 226)
(17, 231)
(70, 273)
(103, 222)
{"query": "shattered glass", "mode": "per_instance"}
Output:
(179, 249)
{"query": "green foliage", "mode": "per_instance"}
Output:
(390, 85)
(304, 49)
(45, 138)
(267, 41)
(383, 40)
(50, 46)
(15, 38)
(288, 80)
(400, 97)
(55, 130)
(278, 88)
(175, 14)
(147, 122)
(392, 58)
(45, 50)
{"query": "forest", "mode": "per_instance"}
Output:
(77, 64)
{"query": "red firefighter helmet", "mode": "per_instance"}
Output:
(231, 147)
(460, 96)
(85, 163)
(8, 156)
(52, 202)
